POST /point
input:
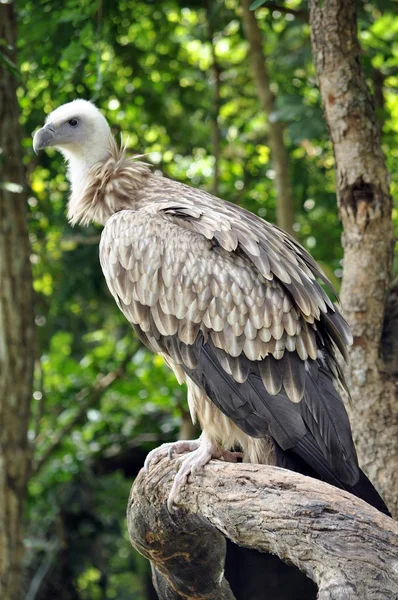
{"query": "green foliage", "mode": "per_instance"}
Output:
(257, 4)
(149, 66)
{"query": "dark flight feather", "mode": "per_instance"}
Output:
(312, 437)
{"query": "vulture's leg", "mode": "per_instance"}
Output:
(205, 449)
(169, 449)
(201, 451)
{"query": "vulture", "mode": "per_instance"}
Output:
(233, 304)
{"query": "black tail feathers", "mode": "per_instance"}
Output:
(365, 489)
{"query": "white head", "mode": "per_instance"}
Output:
(81, 133)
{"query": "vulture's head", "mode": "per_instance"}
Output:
(76, 129)
(81, 133)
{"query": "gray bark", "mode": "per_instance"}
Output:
(365, 204)
(279, 155)
(347, 547)
(16, 325)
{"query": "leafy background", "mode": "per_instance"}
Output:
(101, 401)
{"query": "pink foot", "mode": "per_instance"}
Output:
(195, 461)
(169, 449)
(200, 451)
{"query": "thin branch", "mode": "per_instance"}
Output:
(41, 573)
(38, 413)
(215, 110)
(85, 399)
(347, 547)
(394, 284)
(285, 10)
(279, 153)
(188, 431)
(378, 79)
(84, 240)
(98, 43)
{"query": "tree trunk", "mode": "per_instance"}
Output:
(279, 155)
(346, 546)
(16, 324)
(365, 205)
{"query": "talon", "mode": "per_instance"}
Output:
(200, 452)
(179, 462)
(156, 455)
(169, 449)
(195, 470)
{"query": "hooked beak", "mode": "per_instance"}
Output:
(44, 137)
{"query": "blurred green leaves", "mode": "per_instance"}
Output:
(150, 70)
(257, 4)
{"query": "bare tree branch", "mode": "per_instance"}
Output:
(347, 547)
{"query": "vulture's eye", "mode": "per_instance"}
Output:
(73, 122)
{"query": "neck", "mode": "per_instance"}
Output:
(104, 184)
(79, 166)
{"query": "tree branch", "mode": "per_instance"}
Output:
(347, 547)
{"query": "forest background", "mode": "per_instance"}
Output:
(175, 78)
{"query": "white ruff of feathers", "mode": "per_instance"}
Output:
(106, 187)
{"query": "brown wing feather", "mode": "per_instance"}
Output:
(171, 280)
